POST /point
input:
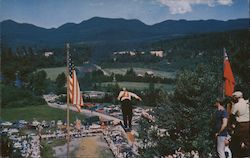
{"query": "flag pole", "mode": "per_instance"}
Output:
(67, 50)
(223, 81)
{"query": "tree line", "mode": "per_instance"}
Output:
(21, 78)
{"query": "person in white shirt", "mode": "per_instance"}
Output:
(241, 111)
(125, 98)
(241, 108)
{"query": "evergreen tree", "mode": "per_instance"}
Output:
(186, 115)
(38, 82)
(60, 83)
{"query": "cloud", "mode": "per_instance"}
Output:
(185, 6)
(225, 2)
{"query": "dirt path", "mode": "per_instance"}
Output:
(93, 147)
(88, 148)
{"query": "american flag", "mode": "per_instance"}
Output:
(74, 89)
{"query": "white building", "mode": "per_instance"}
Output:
(158, 53)
(47, 54)
(150, 72)
(131, 53)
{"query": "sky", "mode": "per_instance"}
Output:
(54, 13)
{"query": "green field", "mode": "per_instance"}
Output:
(140, 85)
(39, 112)
(141, 71)
(52, 73)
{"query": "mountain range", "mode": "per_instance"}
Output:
(99, 31)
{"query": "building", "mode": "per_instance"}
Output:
(47, 54)
(131, 53)
(150, 73)
(158, 53)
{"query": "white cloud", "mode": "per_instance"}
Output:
(185, 6)
(225, 2)
(177, 7)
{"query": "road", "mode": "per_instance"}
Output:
(129, 137)
(99, 68)
(84, 111)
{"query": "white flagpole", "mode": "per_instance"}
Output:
(68, 136)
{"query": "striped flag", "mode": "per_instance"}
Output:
(74, 89)
(228, 77)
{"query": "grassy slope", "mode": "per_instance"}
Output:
(52, 73)
(40, 112)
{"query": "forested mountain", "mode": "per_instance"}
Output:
(106, 34)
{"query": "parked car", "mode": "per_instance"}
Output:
(59, 123)
(23, 122)
(6, 123)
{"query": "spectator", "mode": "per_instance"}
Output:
(240, 110)
(227, 148)
(220, 127)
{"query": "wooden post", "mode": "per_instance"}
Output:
(223, 82)
(68, 136)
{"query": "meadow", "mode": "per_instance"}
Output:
(141, 71)
(52, 73)
(39, 112)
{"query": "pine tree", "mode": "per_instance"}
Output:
(186, 115)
